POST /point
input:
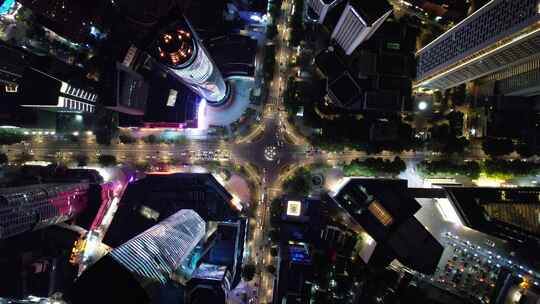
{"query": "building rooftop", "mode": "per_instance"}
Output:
(508, 213)
(233, 54)
(163, 109)
(345, 90)
(382, 101)
(370, 11)
(330, 64)
(126, 90)
(385, 211)
(156, 197)
(39, 88)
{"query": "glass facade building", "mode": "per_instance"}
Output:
(499, 35)
(318, 9)
(29, 208)
(358, 22)
(182, 52)
(170, 249)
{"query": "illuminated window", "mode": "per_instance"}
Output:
(380, 213)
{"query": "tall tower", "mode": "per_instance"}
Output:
(318, 9)
(499, 36)
(359, 20)
(28, 208)
(179, 48)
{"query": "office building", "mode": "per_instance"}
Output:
(170, 249)
(157, 196)
(180, 235)
(511, 214)
(179, 49)
(300, 235)
(28, 208)
(43, 91)
(500, 35)
(143, 269)
(522, 79)
(358, 22)
(385, 212)
(318, 9)
(126, 91)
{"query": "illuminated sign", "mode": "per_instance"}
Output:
(294, 208)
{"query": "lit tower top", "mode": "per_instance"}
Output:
(180, 50)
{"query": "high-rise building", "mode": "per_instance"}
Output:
(142, 268)
(385, 212)
(179, 48)
(512, 214)
(318, 9)
(170, 249)
(522, 79)
(500, 35)
(43, 91)
(29, 208)
(359, 20)
(157, 196)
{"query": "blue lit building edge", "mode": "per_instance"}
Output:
(6, 6)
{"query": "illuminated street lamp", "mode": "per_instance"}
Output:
(422, 105)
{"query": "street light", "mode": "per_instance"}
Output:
(78, 118)
(422, 105)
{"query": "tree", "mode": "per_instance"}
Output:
(10, 138)
(455, 119)
(107, 160)
(271, 269)
(269, 62)
(297, 26)
(496, 147)
(398, 165)
(106, 125)
(299, 183)
(82, 160)
(456, 145)
(72, 138)
(25, 157)
(3, 159)
(151, 139)
(274, 235)
(458, 95)
(441, 168)
(248, 272)
(271, 31)
(142, 166)
(275, 9)
(276, 209)
(126, 139)
(525, 150)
